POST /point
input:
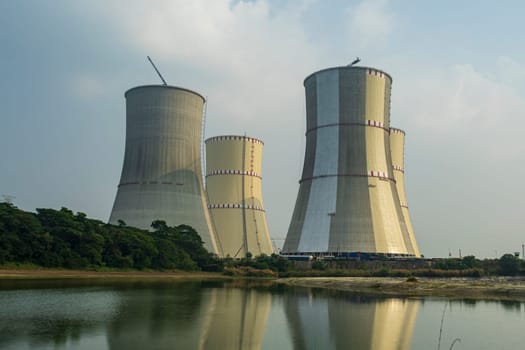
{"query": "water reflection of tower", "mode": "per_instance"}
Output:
(350, 323)
(238, 319)
(188, 316)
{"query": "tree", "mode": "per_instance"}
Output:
(509, 264)
(61, 238)
(469, 261)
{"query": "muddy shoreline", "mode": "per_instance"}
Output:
(484, 288)
(487, 288)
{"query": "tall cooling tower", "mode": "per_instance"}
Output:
(161, 176)
(234, 187)
(397, 149)
(347, 201)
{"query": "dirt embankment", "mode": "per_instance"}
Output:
(495, 288)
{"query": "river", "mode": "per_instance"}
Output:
(167, 314)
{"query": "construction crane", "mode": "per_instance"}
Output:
(356, 61)
(156, 70)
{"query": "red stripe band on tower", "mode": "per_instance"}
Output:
(396, 131)
(371, 173)
(398, 168)
(234, 206)
(145, 183)
(233, 138)
(372, 123)
(233, 172)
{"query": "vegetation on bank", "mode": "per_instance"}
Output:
(62, 239)
(469, 266)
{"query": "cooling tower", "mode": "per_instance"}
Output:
(347, 202)
(161, 176)
(234, 188)
(397, 149)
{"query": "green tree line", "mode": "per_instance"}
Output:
(61, 238)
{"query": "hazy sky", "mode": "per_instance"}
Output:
(458, 92)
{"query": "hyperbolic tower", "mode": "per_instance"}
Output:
(397, 149)
(161, 176)
(234, 188)
(348, 201)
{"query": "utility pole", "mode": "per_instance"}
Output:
(523, 252)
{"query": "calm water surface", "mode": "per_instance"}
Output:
(83, 314)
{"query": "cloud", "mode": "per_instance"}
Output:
(249, 57)
(464, 146)
(370, 22)
(484, 112)
(510, 71)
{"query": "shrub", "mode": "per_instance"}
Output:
(319, 265)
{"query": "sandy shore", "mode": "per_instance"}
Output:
(494, 288)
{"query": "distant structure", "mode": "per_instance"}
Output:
(348, 203)
(397, 150)
(161, 175)
(234, 188)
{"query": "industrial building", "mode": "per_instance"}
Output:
(348, 202)
(397, 150)
(161, 175)
(234, 188)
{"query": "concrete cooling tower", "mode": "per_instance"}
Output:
(397, 149)
(348, 202)
(234, 188)
(161, 176)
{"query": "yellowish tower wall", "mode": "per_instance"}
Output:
(234, 189)
(397, 148)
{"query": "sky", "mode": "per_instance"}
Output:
(458, 91)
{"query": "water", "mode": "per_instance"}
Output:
(104, 314)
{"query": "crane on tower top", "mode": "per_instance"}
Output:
(156, 70)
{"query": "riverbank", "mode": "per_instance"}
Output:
(486, 288)
(489, 288)
(83, 274)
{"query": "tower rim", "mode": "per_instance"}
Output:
(392, 129)
(171, 87)
(232, 138)
(347, 68)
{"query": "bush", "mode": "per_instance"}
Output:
(319, 265)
